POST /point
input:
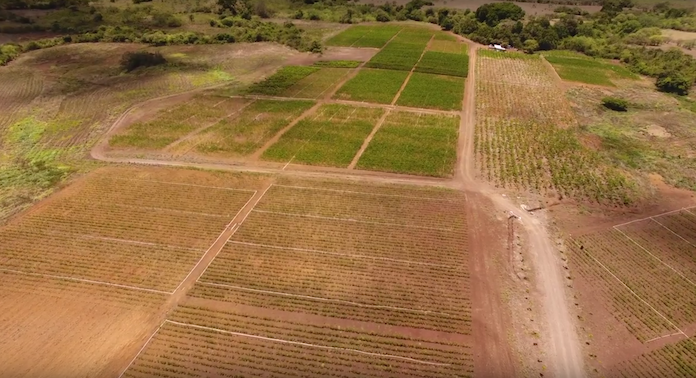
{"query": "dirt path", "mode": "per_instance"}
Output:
(410, 73)
(565, 349)
(257, 154)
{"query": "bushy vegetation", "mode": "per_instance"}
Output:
(136, 59)
(614, 103)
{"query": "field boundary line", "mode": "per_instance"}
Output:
(181, 183)
(142, 349)
(366, 193)
(351, 220)
(367, 140)
(86, 281)
(662, 337)
(656, 258)
(658, 215)
(675, 234)
(636, 295)
(227, 227)
(358, 304)
(306, 344)
(126, 241)
(345, 254)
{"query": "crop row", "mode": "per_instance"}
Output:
(444, 63)
(672, 361)
(647, 295)
(373, 189)
(179, 351)
(364, 36)
(375, 241)
(373, 85)
(17, 90)
(433, 213)
(342, 278)
(175, 196)
(542, 157)
(131, 223)
(112, 296)
(403, 52)
(682, 223)
(432, 92)
(317, 84)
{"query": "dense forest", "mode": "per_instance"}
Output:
(619, 31)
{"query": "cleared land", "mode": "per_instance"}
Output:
(522, 140)
(433, 92)
(373, 85)
(583, 69)
(414, 143)
(330, 137)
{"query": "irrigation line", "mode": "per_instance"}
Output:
(358, 304)
(656, 258)
(306, 344)
(216, 240)
(170, 210)
(142, 349)
(636, 295)
(345, 255)
(365, 193)
(351, 220)
(86, 281)
(658, 215)
(117, 240)
(662, 337)
(677, 235)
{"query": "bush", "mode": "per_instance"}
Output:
(133, 60)
(674, 82)
(614, 103)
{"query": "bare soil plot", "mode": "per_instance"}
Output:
(373, 85)
(433, 92)
(330, 137)
(413, 143)
(246, 132)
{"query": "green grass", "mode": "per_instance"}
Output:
(332, 137)
(444, 64)
(403, 52)
(170, 124)
(338, 63)
(373, 85)
(413, 143)
(432, 91)
(364, 36)
(579, 68)
(317, 84)
(244, 134)
(282, 80)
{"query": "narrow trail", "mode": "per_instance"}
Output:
(410, 73)
(367, 141)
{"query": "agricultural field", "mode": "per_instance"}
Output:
(404, 51)
(444, 63)
(373, 85)
(414, 143)
(365, 36)
(317, 84)
(433, 92)
(331, 137)
(524, 137)
(583, 69)
(246, 131)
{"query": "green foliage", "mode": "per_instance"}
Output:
(414, 143)
(373, 85)
(442, 63)
(674, 82)
(493, 13)
(433, 91)
(614, 103)
(574, 67)
(364, 36)
(132, 60)
(338, 63)
(280, 81)
(530, 46)
(318, 84)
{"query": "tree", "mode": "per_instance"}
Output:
(494, 13)
(530, 46)
(674, 82)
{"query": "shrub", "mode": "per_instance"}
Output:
(133, 60)
(674, 82)
(616, 104)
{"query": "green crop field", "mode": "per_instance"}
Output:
(280, 81)
(317, 84)
(579, 68)
(433, 91)
(444, 63)
(373, 85)
(448, 46)
(331, 137)
(338, 63)
(415, 144)
(364, 36)
(245, 133)
(403, 52)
